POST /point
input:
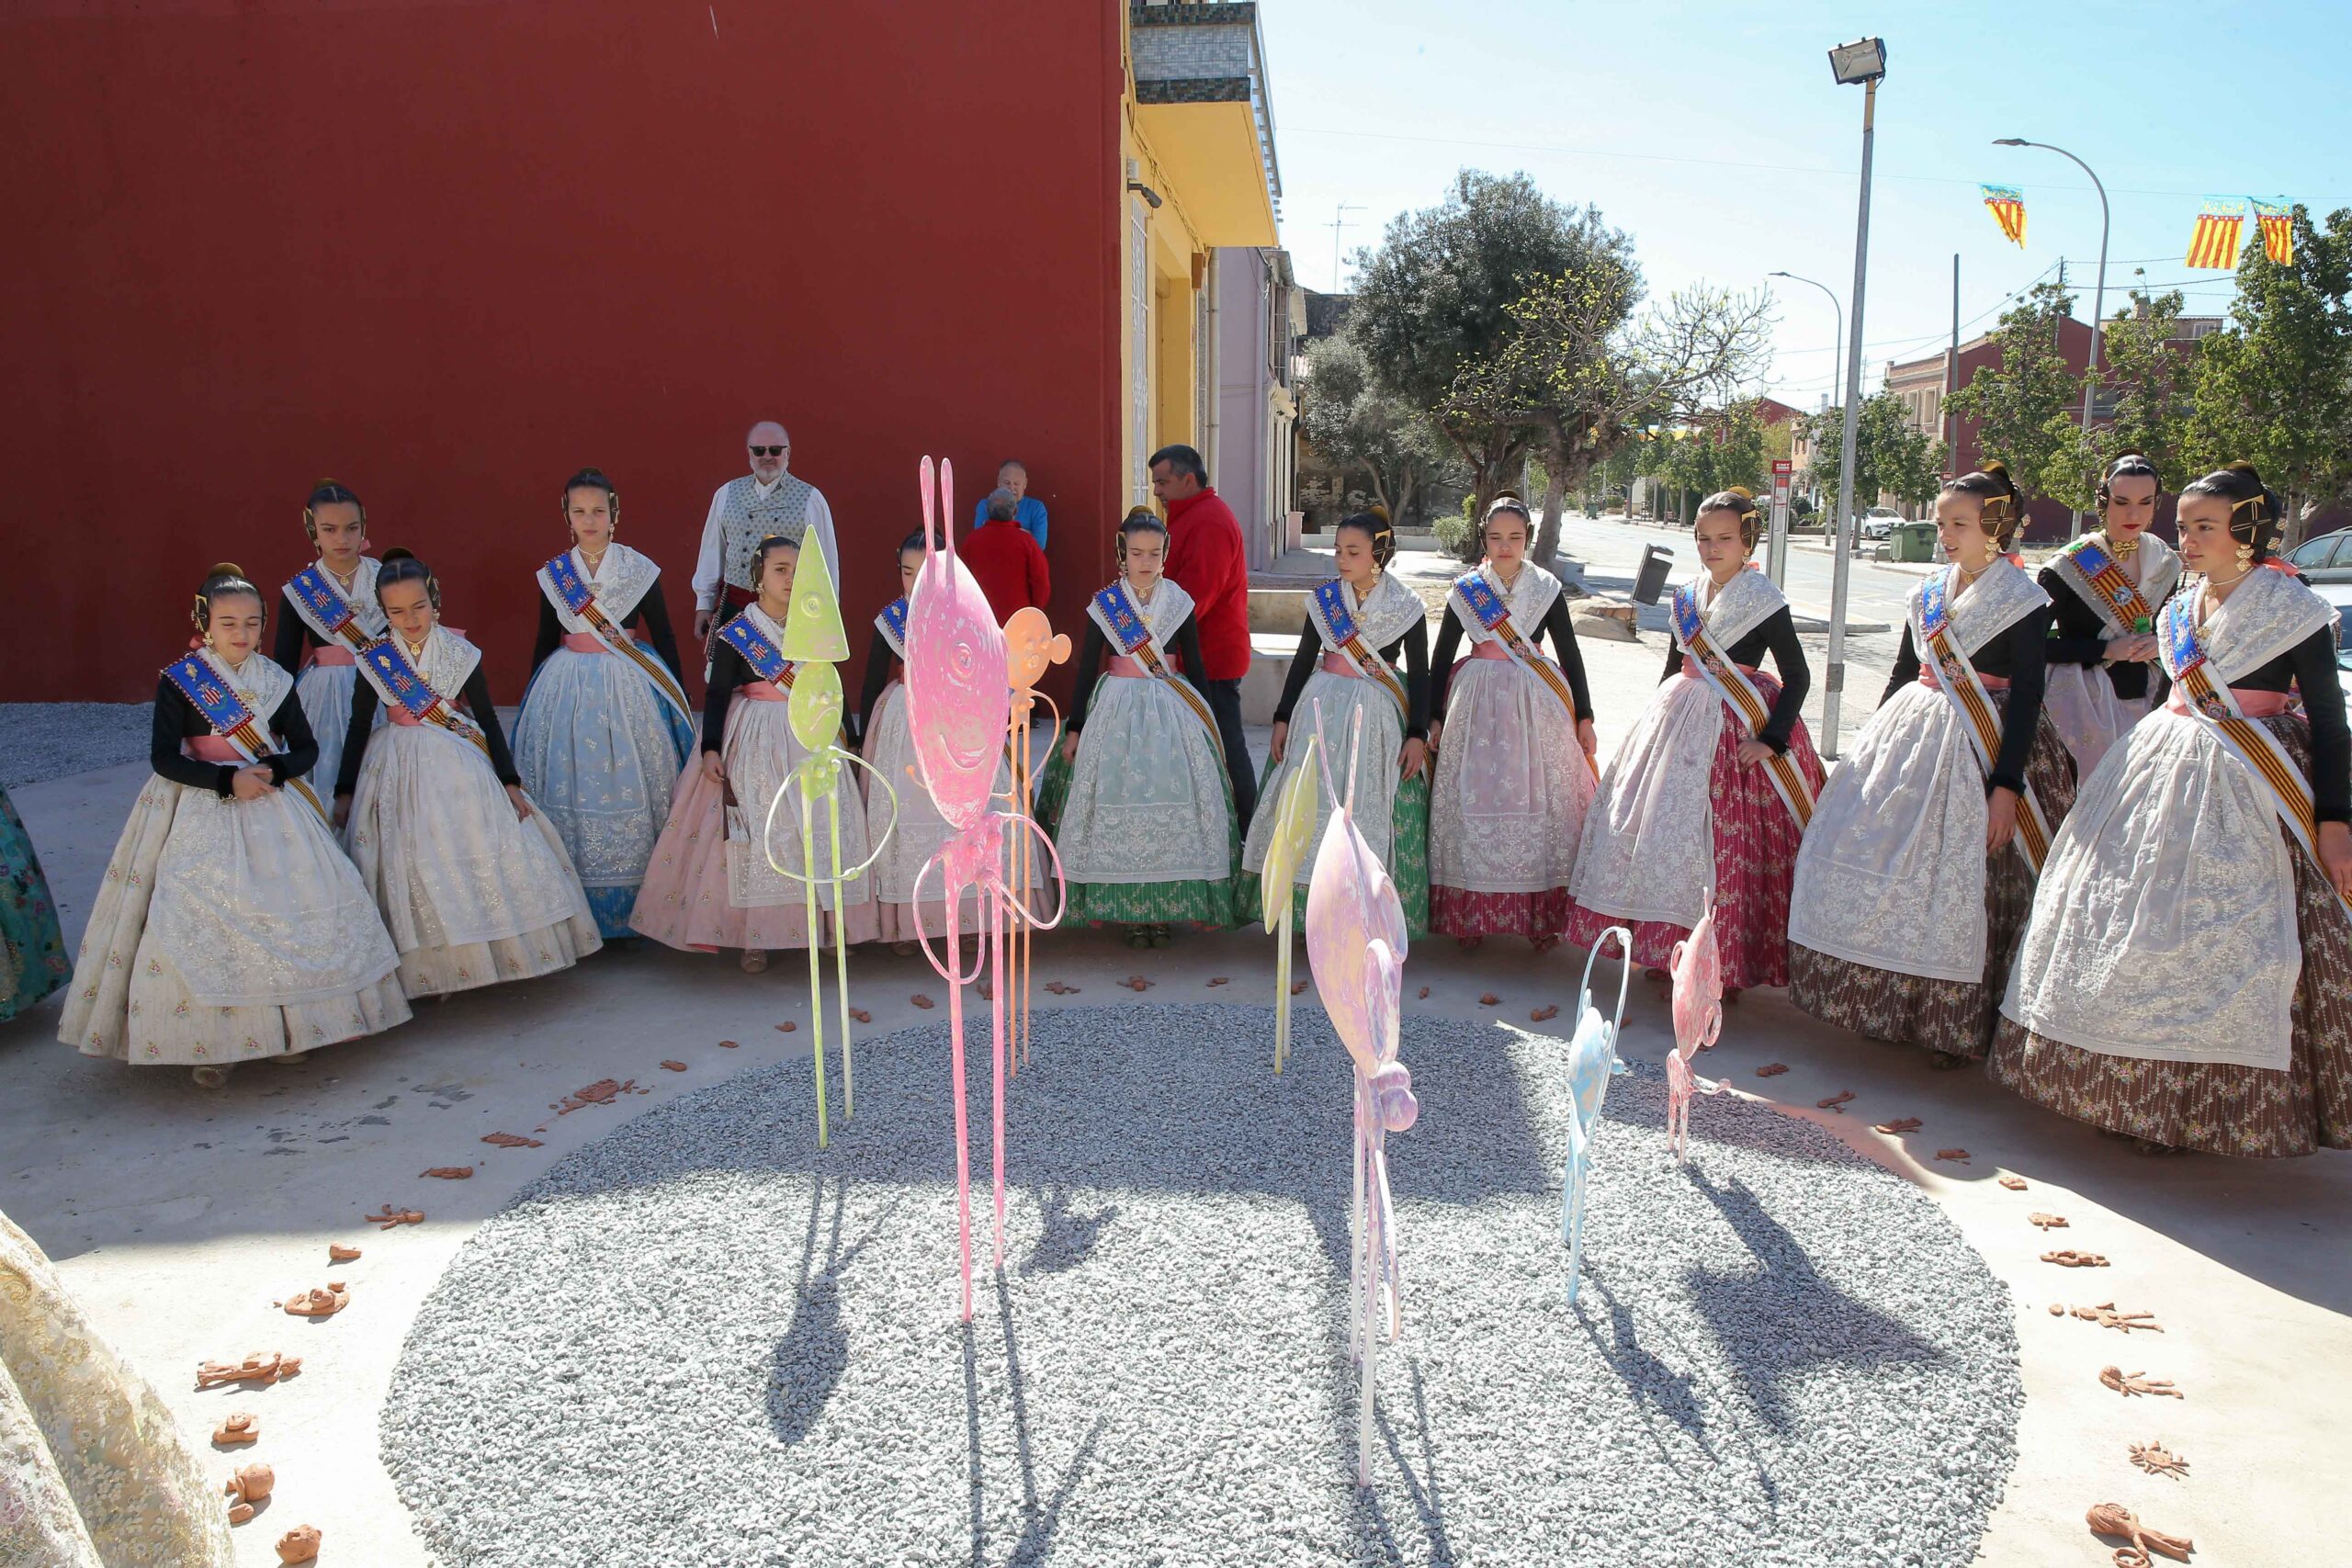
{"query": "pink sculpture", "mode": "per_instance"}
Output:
(1698, 1022)
(959, 703)
(1355, 947)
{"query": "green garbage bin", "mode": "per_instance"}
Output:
(1914, 541)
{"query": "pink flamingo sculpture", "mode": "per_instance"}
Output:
(1355, 947)
(1698, 1022)
(958, 707)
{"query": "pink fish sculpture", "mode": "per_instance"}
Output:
(1355, 948)
(959, 699)
(1698, 970)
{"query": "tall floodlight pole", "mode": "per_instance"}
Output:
(1340, 222)
(2099, 287)
(1862, 61)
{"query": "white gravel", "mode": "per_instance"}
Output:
(700, 1340)
(49, 741)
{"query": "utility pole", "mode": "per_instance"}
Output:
(2098, 284)
(1338, 221)
(1951, 377)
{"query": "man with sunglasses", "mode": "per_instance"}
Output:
(766, 502)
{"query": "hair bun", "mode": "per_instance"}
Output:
(399, 552)
(224, 569)
(2240, 466)
(1996, 467)
(1377, 511)
(1510, 495)
(1742, 491)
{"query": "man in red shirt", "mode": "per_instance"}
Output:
(1206, 560)
(1006, 560)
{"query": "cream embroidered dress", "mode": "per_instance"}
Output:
(2080, 698)
(328, 673)
(94, 1472)
(229, 929)
(597, 745)
(471, 896)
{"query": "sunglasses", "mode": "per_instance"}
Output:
(769, 451)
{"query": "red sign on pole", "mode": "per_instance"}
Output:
(1781, 466)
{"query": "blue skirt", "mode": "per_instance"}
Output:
(32, 950)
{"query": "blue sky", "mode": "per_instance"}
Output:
(1714, 135)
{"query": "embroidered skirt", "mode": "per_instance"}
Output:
(711, 884)
(599, 751)
(228, 930)
(325, 692)
(32, 952)
(1143, 818)
(1506, 808)
(920, 831)
(1754, 841)
(2220, 1106)
(1393, 812)
(1955, 1017)
(471, 896)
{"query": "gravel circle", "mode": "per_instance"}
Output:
(702, 1340)
(49, 741)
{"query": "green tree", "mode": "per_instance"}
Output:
(1890, 457)
(2275, 386)
(2150, 381)
(1438, 293)
(1358, 424)
(2019, 401)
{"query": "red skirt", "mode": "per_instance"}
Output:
(1756, 864)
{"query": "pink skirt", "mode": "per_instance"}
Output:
(1756, 864)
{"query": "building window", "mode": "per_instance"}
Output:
(1139, 287)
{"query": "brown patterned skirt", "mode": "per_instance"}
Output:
(2222, 1108)
(1955, 1017)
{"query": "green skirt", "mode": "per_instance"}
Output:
(1409, 856)
(1209, 904)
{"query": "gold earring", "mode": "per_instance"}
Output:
(2245, 557)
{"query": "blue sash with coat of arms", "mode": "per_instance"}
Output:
(226, 712)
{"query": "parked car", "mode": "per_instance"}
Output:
(2340, 596)
(1879, 522)
(2327, 559)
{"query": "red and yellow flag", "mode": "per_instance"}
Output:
(2008, 205)
(2277, 221)
(2215, 243)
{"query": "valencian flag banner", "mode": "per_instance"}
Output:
(2008, 205)
(2215, 244)
(2277, 221)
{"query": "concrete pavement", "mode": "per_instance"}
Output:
(179, 1216)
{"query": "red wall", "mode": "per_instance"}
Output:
(448, 253)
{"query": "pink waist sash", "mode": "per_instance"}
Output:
(212, 748)
(1339, 664)
(1992, 682)
(1125, 669)
(334, 656)
(1691, 668)
(400, 716)
(1490, 648)
(762, 691)
(589, 642)
(2252, 702)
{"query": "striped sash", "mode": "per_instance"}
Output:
(758, 652)
(324, 607)
(1739, 694)
(230, 719)
(561, 581)
(1117, 614)
(2116, 590)
(1478, 596)
(1958, 680)
(1345, 637)
(396, 680)
(2216, 706)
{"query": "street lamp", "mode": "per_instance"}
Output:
(2098, 286)
(1863, 62)
(1777, 556)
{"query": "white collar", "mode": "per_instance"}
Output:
(764, 488)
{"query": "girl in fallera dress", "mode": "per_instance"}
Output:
(2105, 591)
(1514, 744)
(329, 616)
(229, 926)
(1709, 796)
(1917, 869)
(884, 741)
(2182, 980)
(711, 884)
(1365, 648)
(605, 725)
(474, 883)
(1136, 796)
(32, 949)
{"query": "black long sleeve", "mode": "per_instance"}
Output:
(1091, 654)
(2025, 641)
(2310, 668)
(285, 651)
(1304, 662)
(176, 721)
(727, 671)
(879, 667)
(1449, 642)
(1415, 644)
(1775, 635)
(551, 635)
(1907, 666)
(476, 697)
(1563, 644)
(2078, 636)
(1188, 650)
